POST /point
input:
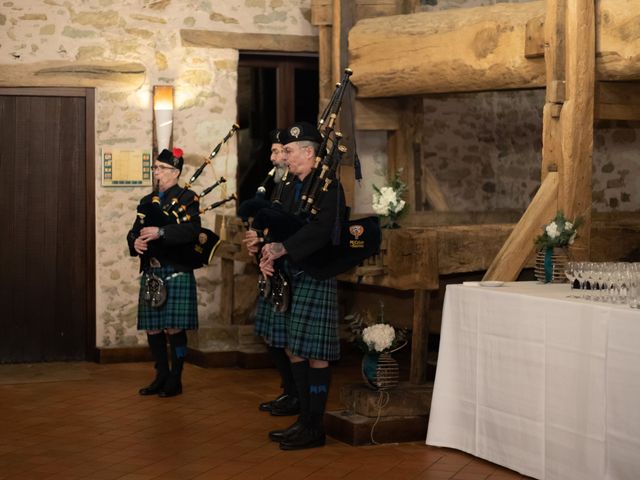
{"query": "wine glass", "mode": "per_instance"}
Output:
(571, 273)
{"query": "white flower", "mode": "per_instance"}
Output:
(572, 238)
(379, 337)
(552, 230)
(387, 201)
(568, 226)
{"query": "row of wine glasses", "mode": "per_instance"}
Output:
(611, 282)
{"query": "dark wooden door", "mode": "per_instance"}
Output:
(47, 247)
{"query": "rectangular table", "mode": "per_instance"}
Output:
(546, 385)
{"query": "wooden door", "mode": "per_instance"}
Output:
(47, 248)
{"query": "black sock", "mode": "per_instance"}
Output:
(299, 370)
(178, 342)
(319, 380)
(283, 365)
(158, 347)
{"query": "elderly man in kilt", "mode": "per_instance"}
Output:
(312, 319)
(270, 324)
(167, 304)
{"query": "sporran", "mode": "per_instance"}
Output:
(155, 290)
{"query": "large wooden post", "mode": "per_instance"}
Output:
(576, 120)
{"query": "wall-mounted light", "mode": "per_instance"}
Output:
(162, 117)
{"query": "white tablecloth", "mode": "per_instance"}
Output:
(540, 383)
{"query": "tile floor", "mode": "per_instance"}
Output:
(90, 423)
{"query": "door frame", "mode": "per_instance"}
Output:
(91, 352)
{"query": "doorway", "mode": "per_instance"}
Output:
(273, 92)
(47, 251)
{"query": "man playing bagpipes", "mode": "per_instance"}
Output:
(312, 316)
(270, 324)
(168, 296)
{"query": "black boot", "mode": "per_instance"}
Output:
(312, 435)
(287, 433)
(299, 371)
(158, 347)
(173, 385)
(287, 403)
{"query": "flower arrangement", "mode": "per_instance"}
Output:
(560, 232)
(375, 335)
(387, 201)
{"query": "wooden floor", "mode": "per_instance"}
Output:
(84, 420)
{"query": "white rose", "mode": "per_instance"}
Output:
(398, 206)
(552, 230)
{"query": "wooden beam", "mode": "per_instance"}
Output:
(506, 266)
(435, 195)
(576, 121)
(378, 114)
(489, 42)
(72, 74)
(226, 290)
(617, 101)
(420, 337)
(249, 41)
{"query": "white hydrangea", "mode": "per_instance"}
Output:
(379, 337)
(386, 201)
(552, 230)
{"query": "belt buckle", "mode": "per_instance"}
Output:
(154, 263)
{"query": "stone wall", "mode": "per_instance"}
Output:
(133, 45)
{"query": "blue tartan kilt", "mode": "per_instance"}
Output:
(181, 308)
(270, 325)
(312, 320)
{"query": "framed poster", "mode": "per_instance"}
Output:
(126, 168)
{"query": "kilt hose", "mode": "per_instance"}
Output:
(312, 319)
(270, 325)
(181, 308)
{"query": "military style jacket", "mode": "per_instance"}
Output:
(180, 229)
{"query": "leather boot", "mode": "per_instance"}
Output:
(173, 385)
(287, 433)
(158, 347)
(307, 437)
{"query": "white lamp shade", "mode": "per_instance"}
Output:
(164, 127)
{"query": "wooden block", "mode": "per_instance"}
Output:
(556, 92)
(534, 38)
(357, 429)
(321, 12)
(404, 400)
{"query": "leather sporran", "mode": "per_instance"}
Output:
(155, 290)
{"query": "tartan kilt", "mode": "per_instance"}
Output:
(312, 321)
(181, 308)
(270, 325)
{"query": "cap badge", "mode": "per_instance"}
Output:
(278, 136)
(295, 132)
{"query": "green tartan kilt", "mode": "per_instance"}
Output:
(181, 308)
(312, 320)
(270, 325)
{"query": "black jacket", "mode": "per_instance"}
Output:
(178, 240)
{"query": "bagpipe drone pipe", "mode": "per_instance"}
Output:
(184, 208)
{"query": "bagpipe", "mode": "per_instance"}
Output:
(184, 208)
(352, 240)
